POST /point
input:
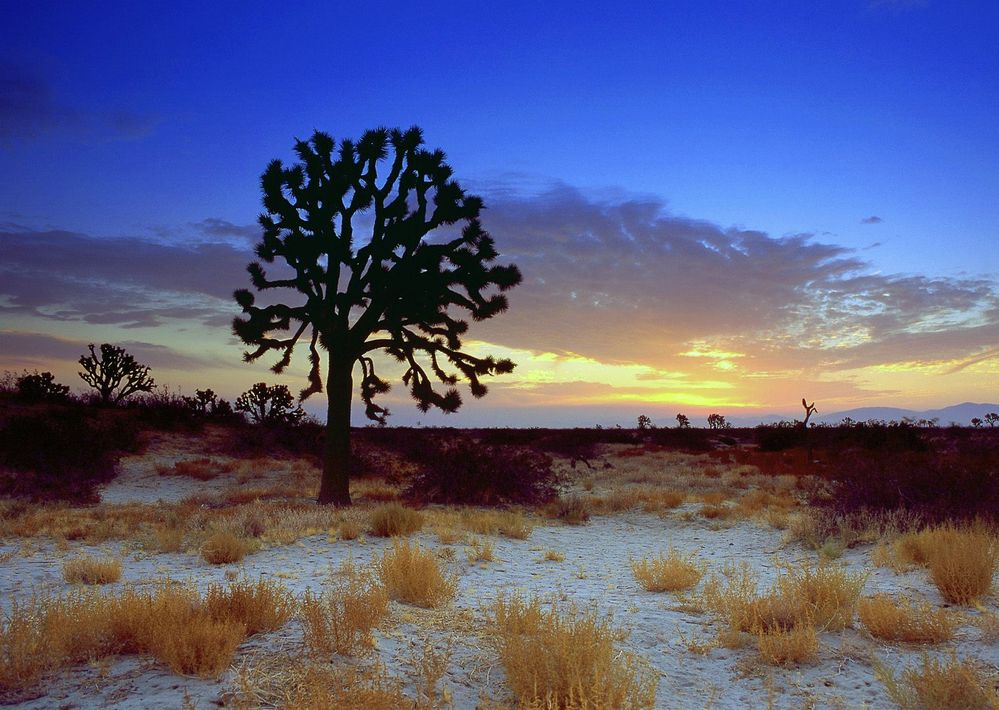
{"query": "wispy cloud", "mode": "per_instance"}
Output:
(873, 219)
(29, 108)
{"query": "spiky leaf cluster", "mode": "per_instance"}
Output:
(407, 283)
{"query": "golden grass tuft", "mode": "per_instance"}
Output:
(349, 529)
(395, 520)
(554, 556)
(788, 646)
(672, 572)
(341, 618)
(92, 570)
(262, 606)
(411, 574)
(224, 547)
(480, 551)
(938, 684)
(901, 621)
(201, 469)
(566, 660)
(962, 561)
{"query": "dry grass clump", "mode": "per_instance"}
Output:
(411, 574)
(170, 622)
(394, 520)
(480, 551)
(902, 621)
(201, 469)
(554, 556)
(572, 510)
(168, 539)
(509, 523)
(566, 660)
(650, 499)
(341, 618)
(716, 512)
(788, 646)
(91, 570)
(940, 685)
(374, 490)
(962, 562)
(785, 619)
(262, 606)
(224, 546)
(672, 572)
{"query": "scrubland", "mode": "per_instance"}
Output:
(643, 573)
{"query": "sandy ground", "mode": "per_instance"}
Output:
(595, 571)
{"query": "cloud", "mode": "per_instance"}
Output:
(35, 349)
(623, 280)
(69, 276)
(30, 109)
(873, 219)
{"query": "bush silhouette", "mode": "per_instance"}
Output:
(115, 374)
(269, 405)
(41, 387)
(395, 289)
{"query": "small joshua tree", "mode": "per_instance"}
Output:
(644, 422)
(42, 387)
(399, 288)
(992, 418)
(269, 405)
(682, 421)
(114, 374)
(809, 411)
(205, 403)
(717, 421)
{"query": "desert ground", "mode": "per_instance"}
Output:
(658, 578)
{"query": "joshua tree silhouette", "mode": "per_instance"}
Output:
(396, 290)
(114, 374)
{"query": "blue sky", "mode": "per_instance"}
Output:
(870, 126)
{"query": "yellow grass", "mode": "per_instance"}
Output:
(962, 562)
(902, 621)
(554, 556)
(672, 572)
(202, 469)
(411, 574)
(939, 684)
(224, 547)
(341, 618)
(480, 551)
(566, 660)
(394, 520)
(261, 606)
(788, 646)
(91, 570)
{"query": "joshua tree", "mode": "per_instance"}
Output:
(394, 289)
(644, 422)
(115, 374)
(992, 418)
(269, 405)
(809, 411)
(682, 421)
(717, 421)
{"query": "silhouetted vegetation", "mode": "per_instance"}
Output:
(269, 405)
(114, 374)
(41, 387)
(463, 471)
(62, 452)
(396, 290)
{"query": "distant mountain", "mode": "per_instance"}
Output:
(959, 413)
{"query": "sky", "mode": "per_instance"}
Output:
(716, 207)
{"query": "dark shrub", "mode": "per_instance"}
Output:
(463, 471)
(41, 387)
(780, 436)
(62, 453)
(940, 483)
(304, 438)
(162, 409)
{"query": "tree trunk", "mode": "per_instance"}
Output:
(335, 486)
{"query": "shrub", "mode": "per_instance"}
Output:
(566, 660)
(462, 471)
(668, 573)
(260, 607)
(341, 618)
(962, 562)
(91, 570)
(901, 621)
(62, 453)
(783, 646)
(269, 405)
(412, 575)
(395, 520)
(572, 510)
(223, 547)
(940, 685)
(42, 387)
